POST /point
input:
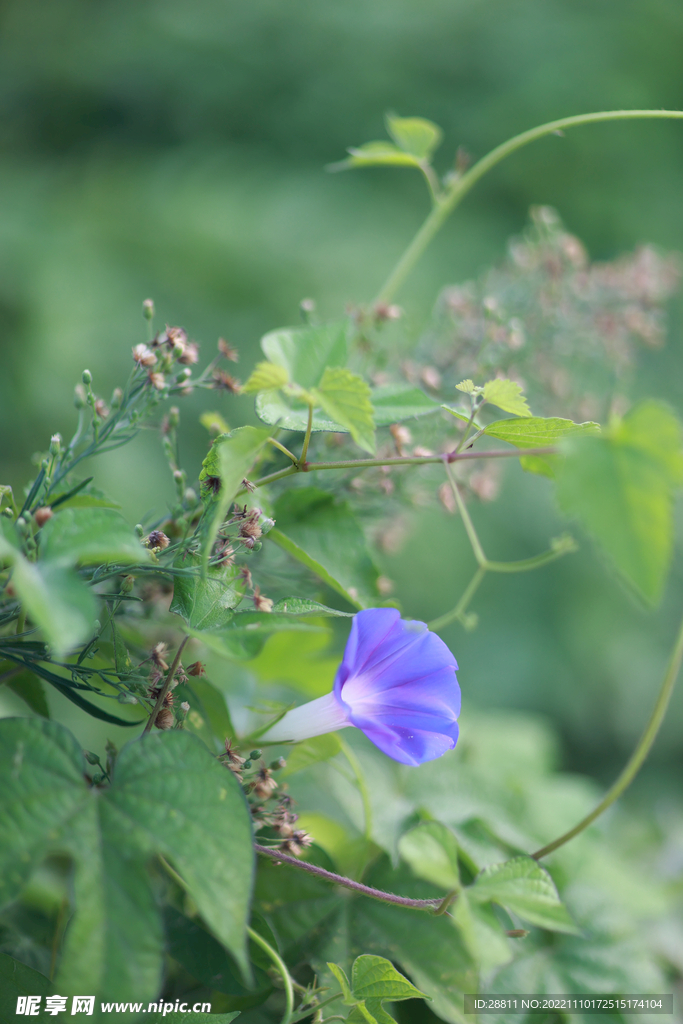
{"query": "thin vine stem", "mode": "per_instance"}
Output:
(307, 438)
(462, 185)
(282, 970)
(165, 688)
(409, 460)
(348, 883)
(641, 751)
(458, 612)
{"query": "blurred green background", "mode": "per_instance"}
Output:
(176, 150)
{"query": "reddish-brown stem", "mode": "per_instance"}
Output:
(348, 883)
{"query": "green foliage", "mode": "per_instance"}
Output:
(506, 395)
(323, 535)
(169, 798)
(230, 460)
(431, 851)
(524, 887)
(538, 432)
(306, 352)
(415, 135)
(206, 602)
(266, 377)
(90, 536)
(373, 979)
(621, 486)
(347, 399)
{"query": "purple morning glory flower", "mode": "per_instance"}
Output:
(396, 683)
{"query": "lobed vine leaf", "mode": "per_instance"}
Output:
(345, 397)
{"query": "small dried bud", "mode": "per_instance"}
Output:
(387, 312)
(261, 603)
(86, 377)
(224, 382)
(185, 706)
(144, 356)
(157, 540)
(250, 528)
(148, 309)
(55, 444)
(248, 486)
(116, 398)
(196, 669)
(265, 784)
(245, 575)
(384, 585)
(140, 530)
(175, 336)
(127, 584)
(401, 436)
(80, 401)
(431, 377)
(173, 416)
(41, 515)
(190, 354)
(165, 719)
(159, 656)
(101, 408)
(157, 380)
(275, 766)
(228, 351)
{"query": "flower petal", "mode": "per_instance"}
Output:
(404, 739)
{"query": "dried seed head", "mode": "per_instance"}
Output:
(261, 603)
(144, 356)
(101, 408)
(245, 575)
(185, 706)
(41, 515)
(401, 436)
(431, 377)
(228, 351)
(196, 669)
(165, 719)
(157, 540)
(157, 380)
(248, 486)
(159, 655)
(224, 382)
(387, 312)
(265, 784)
(190, 354)
(250, 528)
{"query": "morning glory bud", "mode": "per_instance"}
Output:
(396, 683)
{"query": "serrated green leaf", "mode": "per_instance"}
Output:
(467, 386)
(391, 403)
(524, 887)
(375, 154)
(621, 486)
(431, 851)
(266, 377)
(346, 398)
(206, 603)
(322, 533)
(458, 415)
(374, 977)
(230, 459)
(506, 395)
(481, 932)
(169, 797)
(89, 536)
(415, 135)
(305, 352)
(537, 431)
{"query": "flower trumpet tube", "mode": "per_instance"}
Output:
(396, 683)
